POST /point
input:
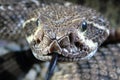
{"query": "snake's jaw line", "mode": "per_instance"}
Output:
(41, 57)
(90, 54)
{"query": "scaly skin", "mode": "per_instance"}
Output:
(55, 28)
(12, 23)
(58, 28)
(104, 65)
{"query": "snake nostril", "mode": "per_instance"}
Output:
(38, 41)
(78, 44)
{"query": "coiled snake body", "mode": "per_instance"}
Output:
(75, 32)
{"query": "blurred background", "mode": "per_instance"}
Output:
(21, 65)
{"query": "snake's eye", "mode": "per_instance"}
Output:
(37, 22)
(84, 25)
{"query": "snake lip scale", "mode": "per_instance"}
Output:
(75, 32)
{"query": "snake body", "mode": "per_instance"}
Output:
(55, 28)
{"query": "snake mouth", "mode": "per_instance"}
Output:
(66, 56)
(68, 47)
(74, 51)
(72, 46)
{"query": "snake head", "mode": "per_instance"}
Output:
(75, 32)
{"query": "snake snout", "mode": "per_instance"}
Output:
(54, 47)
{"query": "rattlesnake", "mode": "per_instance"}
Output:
(73, 31)
(65, 29)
